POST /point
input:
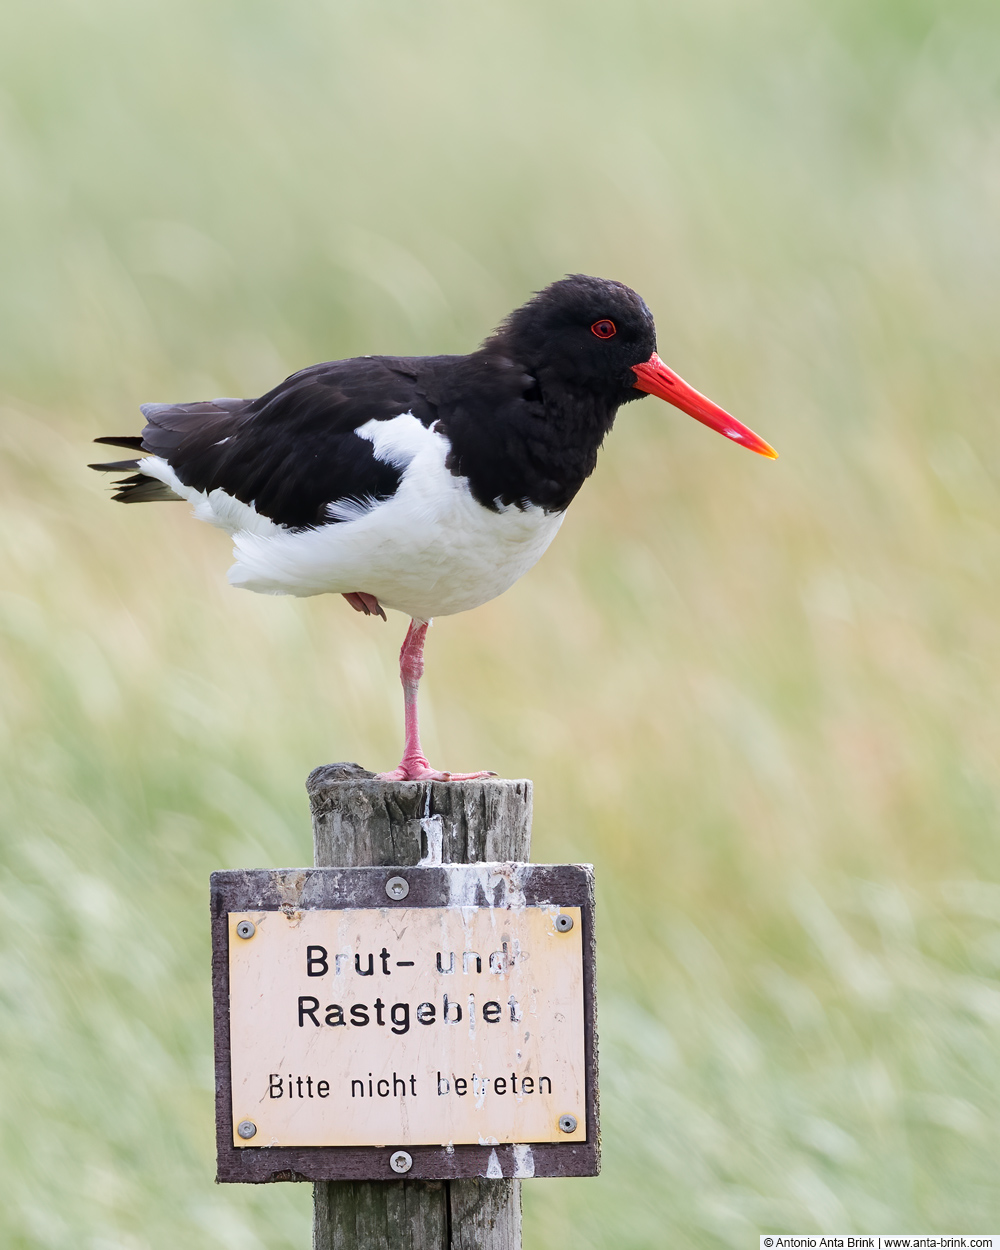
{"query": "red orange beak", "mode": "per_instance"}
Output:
(657, 379)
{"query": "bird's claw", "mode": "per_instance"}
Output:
(423, 772)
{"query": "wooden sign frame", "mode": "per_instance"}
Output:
(484, 885)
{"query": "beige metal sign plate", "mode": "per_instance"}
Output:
(442, 1015)
(407, 1026)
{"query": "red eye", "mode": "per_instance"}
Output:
(603, 329)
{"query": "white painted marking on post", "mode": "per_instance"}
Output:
(433, 827)
(524, 1162)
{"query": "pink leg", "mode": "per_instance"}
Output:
(414, 766)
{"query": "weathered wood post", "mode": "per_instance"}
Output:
(359, 821)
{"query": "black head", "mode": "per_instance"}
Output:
(593, 341)
(582, 333)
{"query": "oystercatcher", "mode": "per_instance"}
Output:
(428, 485)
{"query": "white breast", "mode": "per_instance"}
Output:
(430, 550)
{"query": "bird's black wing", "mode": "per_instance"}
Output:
(290, 452)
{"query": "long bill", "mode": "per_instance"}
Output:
(659, 379)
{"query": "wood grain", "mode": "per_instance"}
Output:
(381, 1215)
(485, 1213)
(358, 820)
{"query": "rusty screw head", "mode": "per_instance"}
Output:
(397, 888)
(246, 929)
(246, 1128)
(567, 1123)
(400, 1161)
(563, 923)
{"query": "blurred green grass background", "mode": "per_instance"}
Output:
(762, 698)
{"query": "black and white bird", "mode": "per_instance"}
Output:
(427, 485)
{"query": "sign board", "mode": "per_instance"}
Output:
(443, 1012)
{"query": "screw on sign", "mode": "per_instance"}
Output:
(397, 888)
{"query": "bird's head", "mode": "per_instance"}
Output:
(595, 335)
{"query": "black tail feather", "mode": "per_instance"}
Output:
(115, 466)
(139, 488)
(143, 489)
(132, 441)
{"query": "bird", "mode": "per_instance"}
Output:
(425, 485)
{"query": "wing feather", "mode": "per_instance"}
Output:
(293, 452)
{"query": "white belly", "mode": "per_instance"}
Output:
(430, 550)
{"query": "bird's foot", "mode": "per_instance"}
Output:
(420, 770)
(362, 602)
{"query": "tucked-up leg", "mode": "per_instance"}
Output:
(362, 602)
(414, 766)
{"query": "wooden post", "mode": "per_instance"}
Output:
(359, 821)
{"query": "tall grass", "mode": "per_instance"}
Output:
(760, 697)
